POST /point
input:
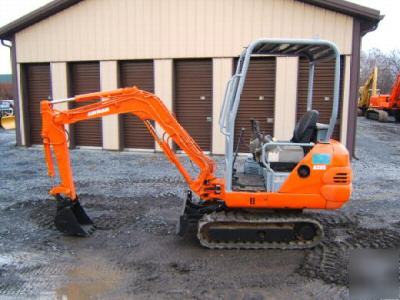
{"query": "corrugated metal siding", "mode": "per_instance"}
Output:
(323, 87)
(193, 99)
(150, 29)
(257, 100)
(140, 74)
(37, 85)
(84, 77)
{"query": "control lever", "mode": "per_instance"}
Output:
(238, 145)
(255, 128)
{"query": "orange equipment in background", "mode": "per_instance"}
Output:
(383, 107)
(257, 206)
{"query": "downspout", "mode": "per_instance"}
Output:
(373, 28)
(5, 45)
(11, 46)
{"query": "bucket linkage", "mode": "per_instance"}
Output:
(71, 218)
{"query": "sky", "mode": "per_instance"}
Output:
(384, 37)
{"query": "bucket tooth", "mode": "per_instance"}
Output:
(71, 218)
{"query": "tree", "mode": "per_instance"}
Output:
(6, 91)
(388, 67)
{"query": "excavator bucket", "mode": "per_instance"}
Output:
(8, 122)
(71, 218)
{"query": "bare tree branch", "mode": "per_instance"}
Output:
(388, 67)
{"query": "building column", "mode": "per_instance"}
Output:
(222, 72)
(59, 84)
(21, 119)
(110, 124)
(346, 98)
(354, 86)
(163, 86)
(285, 97)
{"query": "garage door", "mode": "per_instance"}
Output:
(37, 84)
(257, 100)
(193, 99)
(322, 93)
(134, 132)
(85, 78)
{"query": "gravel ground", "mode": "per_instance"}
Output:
(135, 199)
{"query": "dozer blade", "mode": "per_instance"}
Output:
(8, 122)
(71, 218)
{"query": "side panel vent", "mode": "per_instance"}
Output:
(341, 178)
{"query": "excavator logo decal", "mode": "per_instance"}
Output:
(98, 111)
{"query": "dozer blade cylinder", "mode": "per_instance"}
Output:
(71, 218)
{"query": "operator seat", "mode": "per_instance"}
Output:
(285, 158)
(305, 130)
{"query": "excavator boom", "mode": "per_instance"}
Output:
(147, 107)
(367, 90)
(71, 218)
(395, 93)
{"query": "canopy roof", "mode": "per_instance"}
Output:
(314, 52)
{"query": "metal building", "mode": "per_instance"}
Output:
(185, 52)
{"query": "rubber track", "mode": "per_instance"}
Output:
(239, 216)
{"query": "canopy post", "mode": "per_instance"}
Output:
(315, 50)
(310, 85)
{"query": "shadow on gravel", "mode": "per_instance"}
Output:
(329, 261)
(126, 225)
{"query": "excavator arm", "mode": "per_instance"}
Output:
(394, 98)
(383, 106)
(145, 106)
(71, 218)
(368, 89)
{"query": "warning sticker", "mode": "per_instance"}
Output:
(321, 159)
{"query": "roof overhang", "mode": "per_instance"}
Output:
(35, 16)
(369, 17)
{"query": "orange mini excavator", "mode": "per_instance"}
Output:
(258, 204)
